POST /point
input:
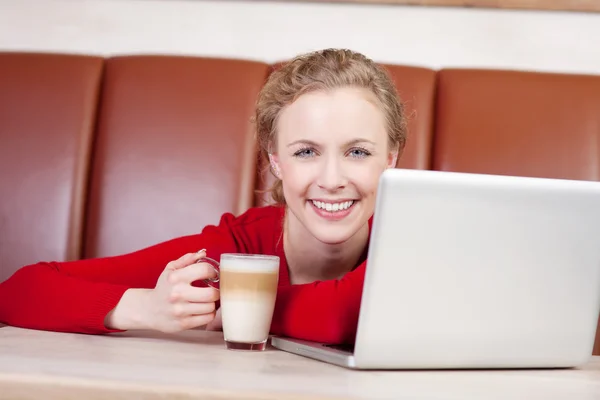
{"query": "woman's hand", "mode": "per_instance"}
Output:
(174, 304)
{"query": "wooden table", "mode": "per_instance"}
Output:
(195, 365)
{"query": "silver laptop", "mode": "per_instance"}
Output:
(475, 271)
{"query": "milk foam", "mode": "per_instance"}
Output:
(250, 263)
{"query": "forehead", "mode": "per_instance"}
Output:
(336, 115)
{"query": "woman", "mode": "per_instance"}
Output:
(329, 122)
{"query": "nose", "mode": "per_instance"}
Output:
(332, 176)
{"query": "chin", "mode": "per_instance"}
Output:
(332, 238)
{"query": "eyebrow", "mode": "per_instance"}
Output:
(350, 143)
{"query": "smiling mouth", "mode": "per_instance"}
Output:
(333, 207)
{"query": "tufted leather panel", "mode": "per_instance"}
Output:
(518, 123)
(416, 87)
(47, 115)
(174, 150)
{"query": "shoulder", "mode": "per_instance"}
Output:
(255, 216)
(254, 231)
(257, 221)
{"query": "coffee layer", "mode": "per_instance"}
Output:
(233, 282)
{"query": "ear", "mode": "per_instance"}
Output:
(274, 162)
(392, 158)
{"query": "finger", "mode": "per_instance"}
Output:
(184, 310)
(195, 321)
(193, 272)
(195, 294)
(186, 260)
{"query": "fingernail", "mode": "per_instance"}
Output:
(201, 251)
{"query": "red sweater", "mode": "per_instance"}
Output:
(76, 296)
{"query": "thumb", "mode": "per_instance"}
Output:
(216, 324)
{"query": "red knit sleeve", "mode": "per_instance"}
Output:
(76, 296)
(325, 311)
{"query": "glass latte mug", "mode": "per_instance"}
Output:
(248, 286)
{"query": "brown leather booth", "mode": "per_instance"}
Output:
(104, 156)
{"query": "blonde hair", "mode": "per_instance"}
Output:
(325, 70)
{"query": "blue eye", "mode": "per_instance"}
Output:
(304, 153)
(359, 153)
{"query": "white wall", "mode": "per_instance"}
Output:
(270, 31)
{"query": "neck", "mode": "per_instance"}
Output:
(311, 260)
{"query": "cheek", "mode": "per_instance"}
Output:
(297, 177)
(366, 178)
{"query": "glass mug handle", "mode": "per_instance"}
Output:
(215, 264)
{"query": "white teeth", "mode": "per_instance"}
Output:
(333, 207)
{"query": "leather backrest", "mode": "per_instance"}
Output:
(47, 116)
(416, 87)
(518, 123)
(174, 151)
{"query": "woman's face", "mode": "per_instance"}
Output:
(331, 149)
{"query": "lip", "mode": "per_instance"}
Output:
(335, 215)
(333, 201)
